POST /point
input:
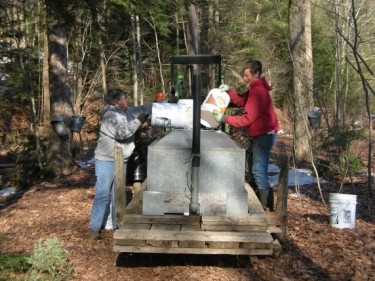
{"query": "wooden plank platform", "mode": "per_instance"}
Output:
(196, 251)
(243, 234)
(176, 241)
(243, 222)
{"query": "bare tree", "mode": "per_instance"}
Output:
(361, 67)
(103, 64)
(140, 63)
(153, 25)
(134, 59)
(59, 154)
(45, 81)
(301, 51)
(30, 91)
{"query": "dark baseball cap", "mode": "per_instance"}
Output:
(114, 95)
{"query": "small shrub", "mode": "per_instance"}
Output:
(13, 262)
(337, 145)
(49, 261)
(12, 266)
(355, 163)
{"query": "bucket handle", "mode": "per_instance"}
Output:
(347, 204)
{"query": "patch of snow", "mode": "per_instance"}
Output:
(86, 164)
(272, 168)
(365, 175)
(296, 195)
(8, 191)
(296, 177)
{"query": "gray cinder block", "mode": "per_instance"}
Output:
(153, 203)
(221, 171)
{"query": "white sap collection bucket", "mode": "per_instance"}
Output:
(180, 115)
(173, 115)
(215, 99)
(342, 209)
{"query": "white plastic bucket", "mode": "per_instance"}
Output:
(342, 209)
(173, 115)
(215, 99)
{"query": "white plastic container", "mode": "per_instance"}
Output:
(215, 99)
(342, 210)
(173, 115)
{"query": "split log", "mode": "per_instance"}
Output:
(119, 186)
(282, 197)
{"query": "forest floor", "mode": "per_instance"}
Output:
(313, 249)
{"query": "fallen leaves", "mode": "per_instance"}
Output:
(313, 249)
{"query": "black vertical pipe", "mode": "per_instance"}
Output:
(173, 83)
(196, 113)
(196, 60)
(219, 75)
(196, 143)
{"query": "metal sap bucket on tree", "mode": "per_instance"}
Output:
(314, 118)
(59, 126)
(77, 123)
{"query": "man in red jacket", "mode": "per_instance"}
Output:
(261, 124)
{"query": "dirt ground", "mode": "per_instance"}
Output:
(313, 250)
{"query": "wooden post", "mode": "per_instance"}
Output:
(119, 187)
(282, 197)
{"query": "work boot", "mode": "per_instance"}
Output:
(263, 197)
(270, 201)
(254, 186)
(94, 235)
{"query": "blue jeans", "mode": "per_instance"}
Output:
(258, 159)
(104, 194)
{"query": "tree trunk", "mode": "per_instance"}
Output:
(301, 50)
(337, 69)
(103, 68)
(101, 29)
(153, 25)
(140, 64)
(134, 59)
(193, 34)
(46, 98)
(193, 41)
(78, 79)
(59, 154)
(29, 90)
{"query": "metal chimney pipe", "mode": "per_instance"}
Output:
(196, 60)
(196, 145)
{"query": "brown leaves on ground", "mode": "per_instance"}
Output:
(313, 249)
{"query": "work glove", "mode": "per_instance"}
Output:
(224, 88)
(218, 115)
(142, 118)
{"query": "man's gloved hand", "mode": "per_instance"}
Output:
(224, 88)
(142, 118)
(218, 115)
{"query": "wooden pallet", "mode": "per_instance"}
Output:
(173, 241)
(246, 234)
